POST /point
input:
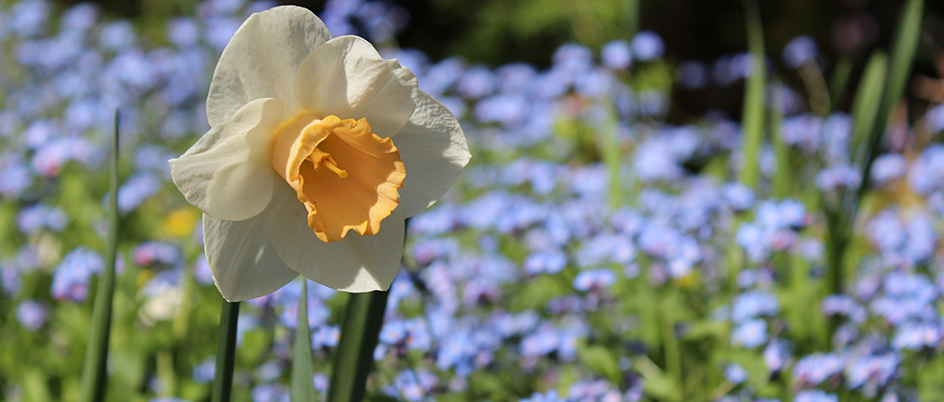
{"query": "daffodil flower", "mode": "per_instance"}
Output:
(318, 151)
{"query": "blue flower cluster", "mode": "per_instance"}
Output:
(555, 270)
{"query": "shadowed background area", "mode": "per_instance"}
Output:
(496, 32)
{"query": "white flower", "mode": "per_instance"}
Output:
(311, 139)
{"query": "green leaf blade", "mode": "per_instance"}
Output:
(94, 369)
(752, 118)
(303, 386)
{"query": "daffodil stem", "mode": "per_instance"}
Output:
(303, 386)
(94, 373)
(354, 357)
(226, 352)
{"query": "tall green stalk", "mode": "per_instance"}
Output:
(354, 357)
(226, 352)
(303, 386)
(752, 119)
(94, 371)
(902, 57)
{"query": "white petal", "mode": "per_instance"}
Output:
(261, 58)
(434, 151)
(353, 264)
(226, 173)
(346, 77)
(242, 257)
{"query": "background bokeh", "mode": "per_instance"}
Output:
(600, 246)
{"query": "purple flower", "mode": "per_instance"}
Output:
(204, 371)
(888, 167)
(550, 261)
(442, 76)
(32, 314)
(816, 368)
(118, 35)
(606, 248)
(839, 176)
(693, 74)
(799, 50)
(741, 65)
(33, 219)
(738, 196)
(935, 118)
(508, 110)
(549, 396)
(804, 132)
(594, 280)
(71, 279)
(617, 55)
(29, 17)
(775, 355)
(815, 396)
(750, 334)
(927, 172)
(136, 190)
(413, 333)
(594, 83)
(573, 59)
(183, 32)
(647, 45)
(270, 393)
(476, 82)
(515, 77)
(14, 179)
(593, 391)
(543, 341)
(753, 304)
(843, 305)
(327, 336)
(735, 373)
(653, 103)
(155, 253)
(915, 336)
(269, 371)
(50, 158)
(79, 18)
(871, 372)
(219, 30)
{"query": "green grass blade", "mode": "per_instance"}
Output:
(902, 57)
(226, 352)
(866, 102)
(783, 178)
(94, 373)
(839, 80)
(303, 386)
(354, 358)
(631, 11)
(752, 119)
(610, 153)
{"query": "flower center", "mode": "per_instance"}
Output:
(346, 175)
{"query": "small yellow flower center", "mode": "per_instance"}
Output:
(346, 175)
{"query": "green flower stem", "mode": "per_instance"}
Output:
(899, 69)
(94, 374)
(303, 386)
(670, 343)
(226, 353)
(752, 119)
(354, 357)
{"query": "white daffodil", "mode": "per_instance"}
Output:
(318, 151)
